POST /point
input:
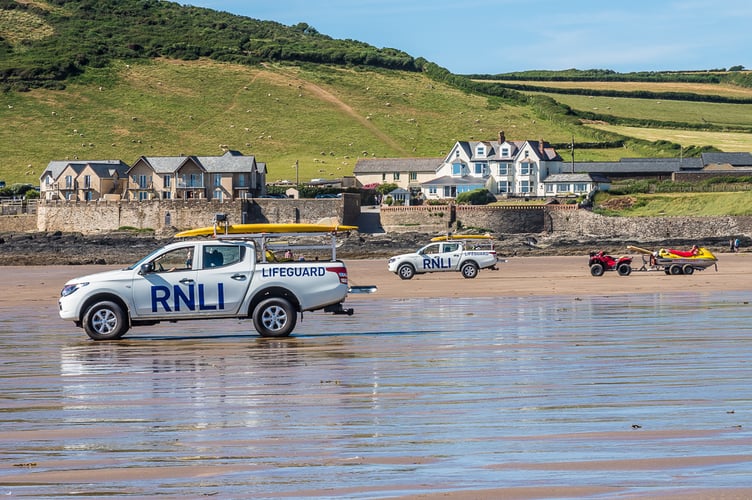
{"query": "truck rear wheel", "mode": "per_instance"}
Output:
(469, 270)
(105, 321)
(274, 317)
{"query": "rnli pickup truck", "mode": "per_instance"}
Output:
(205, 279)
(467, 254)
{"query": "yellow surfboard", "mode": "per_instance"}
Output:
(265, 228)
(463, 237)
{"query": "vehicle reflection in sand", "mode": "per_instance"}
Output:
(405, 397)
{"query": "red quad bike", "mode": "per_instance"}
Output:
(600, 263)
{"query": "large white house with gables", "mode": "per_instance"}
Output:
(503, 167)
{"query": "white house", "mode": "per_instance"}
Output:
(514, 168)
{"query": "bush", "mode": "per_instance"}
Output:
(476, 197)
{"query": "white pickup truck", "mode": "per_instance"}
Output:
(204, 279)
(467, 254)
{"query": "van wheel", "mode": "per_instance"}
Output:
(105, 321)
(274, 317)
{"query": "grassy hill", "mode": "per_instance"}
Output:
(121, 79)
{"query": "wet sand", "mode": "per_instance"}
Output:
(55, 455)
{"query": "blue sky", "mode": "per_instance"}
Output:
(498, 36)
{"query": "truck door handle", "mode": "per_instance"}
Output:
(239, 277)
(186, 281)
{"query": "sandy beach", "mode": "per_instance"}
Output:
(519, 276)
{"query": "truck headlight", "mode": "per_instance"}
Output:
(69, 289)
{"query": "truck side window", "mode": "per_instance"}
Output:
(221, 255)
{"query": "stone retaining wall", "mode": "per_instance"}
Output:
(168, 215)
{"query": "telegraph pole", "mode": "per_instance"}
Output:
(297, 175)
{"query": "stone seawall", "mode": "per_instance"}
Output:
(169, 215)
(583, 224)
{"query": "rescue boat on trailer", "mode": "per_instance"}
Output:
(673, 261)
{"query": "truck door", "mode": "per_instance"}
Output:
(452, 253)
(438, 257)
(224, 275)
(169, 289)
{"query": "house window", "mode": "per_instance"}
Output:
(480, 169)
(580, 188)
(457, 153)
(142, 182)
(432, 190)
(68, 182)
(505, 152)
(549, 188)
(413, 176)
(241, 180)
(524, 186)
(524, 169)
(395, 176)
(527, 154)
(87, 182)
(383, 177)
(166, 195)
(217, 180)
(480, 151)
(167, 181)
(457, 169)
(503, 168)
(503, 186)
(563, 188)
(48, 180)
(88, 195)
(143, 195)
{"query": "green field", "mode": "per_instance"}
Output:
(324, 117)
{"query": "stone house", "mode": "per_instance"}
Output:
(227, 177)
(82, 180)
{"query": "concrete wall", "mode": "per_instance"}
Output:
(18, 223)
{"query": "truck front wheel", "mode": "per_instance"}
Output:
(105, 321)
(274, 317)
(406, 271)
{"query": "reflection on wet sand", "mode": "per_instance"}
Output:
(522, 397)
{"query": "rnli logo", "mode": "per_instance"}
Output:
(190, 298)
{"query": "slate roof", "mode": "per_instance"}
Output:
(382, 165)
(231, 161)
(56, 167)
(448, 180)
(637, 166)
(733, 159)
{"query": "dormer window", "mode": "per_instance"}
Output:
(480, 151)
(505, 152)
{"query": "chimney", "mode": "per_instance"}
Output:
(541, 149)
(502, 139)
